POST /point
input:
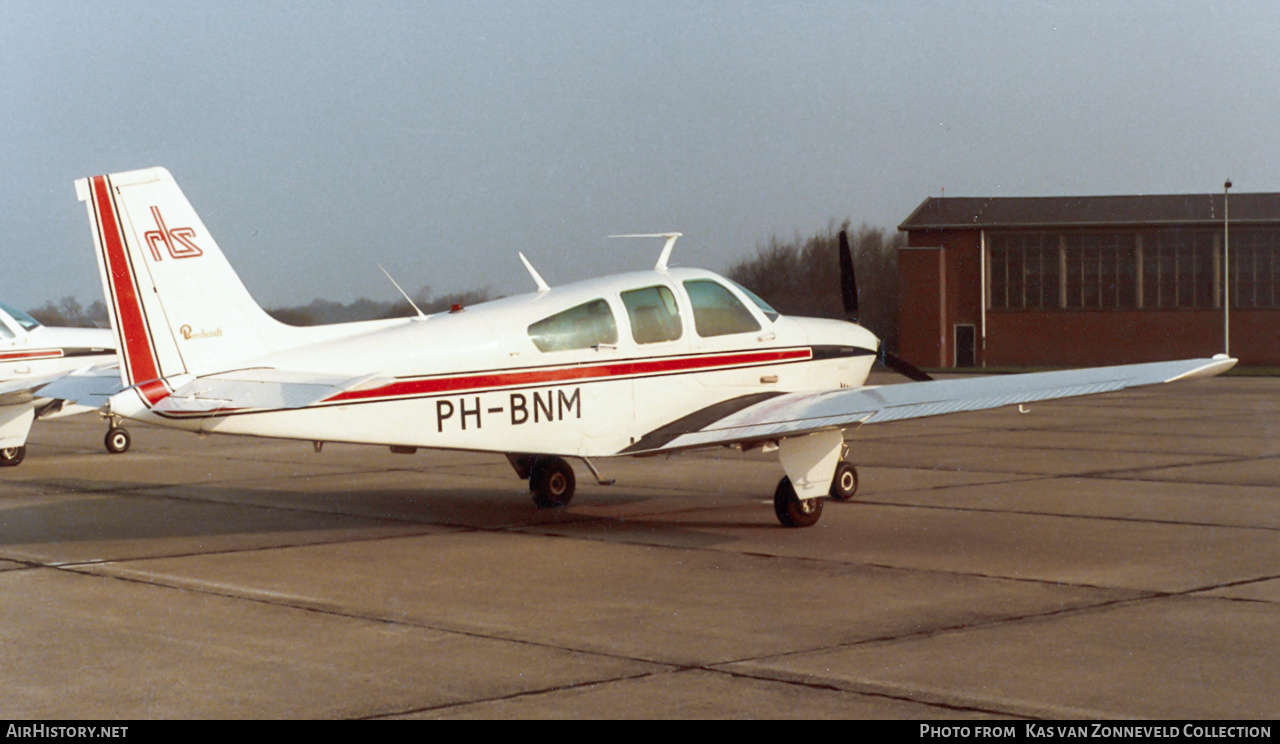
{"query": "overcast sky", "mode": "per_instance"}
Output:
(319, 139)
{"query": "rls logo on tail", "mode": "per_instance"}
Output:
(177, 241)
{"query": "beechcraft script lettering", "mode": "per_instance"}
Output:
(178, 242)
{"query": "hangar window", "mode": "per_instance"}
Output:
(581, 327)
(1099, 271)
(654, 315)
(716, 312)
(1023, 271)
(1157, 270)
(1255, 268)
(1179, 270)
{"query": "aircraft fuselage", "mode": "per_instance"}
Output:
(477, 379)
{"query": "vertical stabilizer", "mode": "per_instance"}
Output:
(176, 304)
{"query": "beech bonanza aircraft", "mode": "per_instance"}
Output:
(637, 364)
(47, 372)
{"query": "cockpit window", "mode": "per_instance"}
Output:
(24, 320)
(581, 327)
(765, 307)
(654, 315)
(716, 312)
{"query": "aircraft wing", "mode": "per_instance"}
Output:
(78, 392)
(771, 417)
(82, 384)
(82, 390)
(23, 389)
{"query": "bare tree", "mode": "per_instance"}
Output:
(802, 277)
(68, 312)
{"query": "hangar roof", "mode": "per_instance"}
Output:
(936, 213)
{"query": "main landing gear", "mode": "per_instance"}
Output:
(11, 456)
(551, 479)
(551, 482)
(794, 511)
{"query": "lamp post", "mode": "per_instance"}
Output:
(1226, 268)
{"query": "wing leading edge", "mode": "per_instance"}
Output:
(796, 414)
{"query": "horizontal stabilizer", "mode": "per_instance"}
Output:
(801, 413)
(256, 389)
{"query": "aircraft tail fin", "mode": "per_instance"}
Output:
(176, 305)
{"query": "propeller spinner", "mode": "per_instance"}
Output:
(849, 296)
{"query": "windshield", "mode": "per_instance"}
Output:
(768, 311)
(24, 320)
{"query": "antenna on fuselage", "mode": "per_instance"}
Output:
(403, 293)
(537, 278)
(666, 249)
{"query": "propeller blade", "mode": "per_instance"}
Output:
(848, 282)
(903, 367)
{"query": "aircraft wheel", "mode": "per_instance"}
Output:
(551, 482)
(11, 456)
(117, 440)
(792, 510)
(845, 482)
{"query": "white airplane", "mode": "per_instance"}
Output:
(47, 372)
(637, 364)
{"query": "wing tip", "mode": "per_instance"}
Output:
(1213, 367)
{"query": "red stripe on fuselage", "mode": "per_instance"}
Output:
(139, 356)
(619, 370)
(15, 356)
(153, 391)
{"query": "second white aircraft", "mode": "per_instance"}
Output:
(48, 371)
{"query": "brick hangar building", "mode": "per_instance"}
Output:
(1086, 281)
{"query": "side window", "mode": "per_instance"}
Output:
(716, 312)
(654, 315)
(578, 327)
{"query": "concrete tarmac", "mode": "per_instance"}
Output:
(1107, 557)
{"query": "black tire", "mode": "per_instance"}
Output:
(551, 482)
(793, 511)
(844, 484)
(11, 456)
(117, 440)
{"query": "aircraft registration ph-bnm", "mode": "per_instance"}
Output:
(47, 371)
(636, 364)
